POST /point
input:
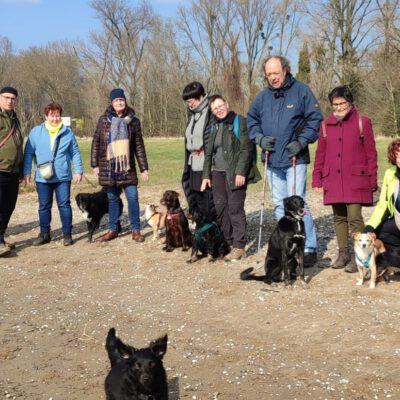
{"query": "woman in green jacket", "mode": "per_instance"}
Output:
(385, 219)
(228, 167)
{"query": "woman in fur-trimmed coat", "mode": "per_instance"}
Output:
(117, 142)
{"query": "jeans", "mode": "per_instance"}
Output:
(281, 185)
(132, 197)
(45, 192)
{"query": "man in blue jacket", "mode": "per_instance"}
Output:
(283, 119)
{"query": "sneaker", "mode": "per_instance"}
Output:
(235, 255)
(67, 239)
(43, 238)
(5, 250)
(310, 258)
(137, 237)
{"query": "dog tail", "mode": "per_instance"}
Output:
(246, 275)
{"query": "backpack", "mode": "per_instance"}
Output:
(236, 131)
(360, 125)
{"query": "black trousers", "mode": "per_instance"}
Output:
(9, 185)
(389, 233)
(230, 210)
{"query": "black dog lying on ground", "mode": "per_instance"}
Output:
(136, 374)
(208, 239)
(93, 207)
(177, 232)
(388, 262)
(285, 247)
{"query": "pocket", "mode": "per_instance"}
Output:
(325, 172)
(360, 178)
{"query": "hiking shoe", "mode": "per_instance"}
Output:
(67, 239)
(351, 268)
(342, 260)
(310, 258)
(235, 255)
(137, 237)
(43, 238)
(5, 250)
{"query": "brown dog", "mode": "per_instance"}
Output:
(177, 233)
(155, 219)
(366, 248)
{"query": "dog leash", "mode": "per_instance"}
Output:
(294, 176)
(88, 181)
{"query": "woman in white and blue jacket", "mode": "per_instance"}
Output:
(53, 142)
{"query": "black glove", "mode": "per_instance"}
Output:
(294, 148)
(368, 228)
(267, 143)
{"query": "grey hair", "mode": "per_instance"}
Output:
(284, 62)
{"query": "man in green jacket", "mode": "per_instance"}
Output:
(11, 142)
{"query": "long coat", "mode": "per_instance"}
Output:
(136, 149)
(345, 162)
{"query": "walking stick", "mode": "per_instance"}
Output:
(294, 175)
(262, 203)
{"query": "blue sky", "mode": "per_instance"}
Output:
(36, 22)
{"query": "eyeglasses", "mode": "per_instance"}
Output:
(342, 104)
(9, 98)
(221, 107)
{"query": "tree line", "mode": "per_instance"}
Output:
(221, 43)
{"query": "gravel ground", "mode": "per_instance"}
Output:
(228, 339)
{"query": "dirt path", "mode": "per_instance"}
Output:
(227, 339)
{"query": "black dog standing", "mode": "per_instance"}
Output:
(285, 247)
(136, 374)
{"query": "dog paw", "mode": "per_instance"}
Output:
(372, 285)
(185, 248)
(359, 282)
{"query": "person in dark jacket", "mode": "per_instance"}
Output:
(11, 142)
(283, 120)
(385, 219)
(228, 168)
(196, 136)
(117, 141)
(345, 168)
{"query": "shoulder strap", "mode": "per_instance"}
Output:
(236, 126)
(57, 139)
(9, 134)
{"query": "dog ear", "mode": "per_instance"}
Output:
(116, 348)
(372, 235)
(355, 234)
(159, 346)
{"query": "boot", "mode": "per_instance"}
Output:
(351, 267)
(43, 238)
(67, 239)
(343, 259)
(235, 255)
(137, 237)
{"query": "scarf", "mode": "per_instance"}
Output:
(194, 134)
(118, 154)
(53, 130)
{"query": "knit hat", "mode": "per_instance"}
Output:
(9, 89)
(117, 94)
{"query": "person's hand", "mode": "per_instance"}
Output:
(145, 175)
(96, 171)
(317, 189)
(267, 143)
(294, 148)
(206, 183)
(27, 179)
(77, 178)
(239, 180)
(368, 228)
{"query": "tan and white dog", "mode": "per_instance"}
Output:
(155, 219)
(366, 247)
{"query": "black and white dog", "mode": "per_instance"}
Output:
(93, 207)
(285, 247)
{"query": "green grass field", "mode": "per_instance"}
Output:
(166, 156)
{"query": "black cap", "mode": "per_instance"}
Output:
(9, 89)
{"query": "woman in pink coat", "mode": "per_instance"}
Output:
(345, 168)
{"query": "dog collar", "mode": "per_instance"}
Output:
(176, 212)
(364, 263)
(205, 227)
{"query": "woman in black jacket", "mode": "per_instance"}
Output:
(228, 167)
